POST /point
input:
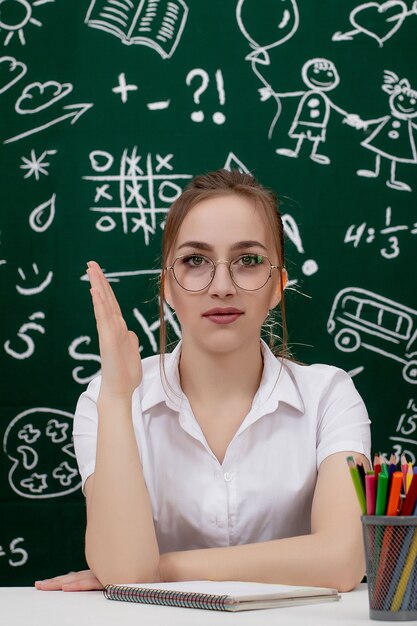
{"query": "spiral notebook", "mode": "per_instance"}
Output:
(220, 595)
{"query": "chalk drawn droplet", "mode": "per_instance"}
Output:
(42, 217)
(197, 116)
(219, 118)
(310, 267)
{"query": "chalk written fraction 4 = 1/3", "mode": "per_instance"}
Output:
(390, 248)
(16, 553)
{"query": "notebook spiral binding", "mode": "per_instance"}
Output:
(182, 599)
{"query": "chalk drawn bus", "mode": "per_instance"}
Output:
(360, 318)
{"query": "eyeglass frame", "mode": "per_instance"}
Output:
(219, 262)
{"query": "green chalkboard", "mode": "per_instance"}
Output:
(108, 108)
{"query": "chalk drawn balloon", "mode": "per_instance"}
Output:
(267, 23)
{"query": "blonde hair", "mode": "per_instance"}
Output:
(219, 183)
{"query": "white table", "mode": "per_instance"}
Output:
(26, 606)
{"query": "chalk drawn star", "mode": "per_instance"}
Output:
(57, 431)
(36, 483)
(36, 165)
(123, 88)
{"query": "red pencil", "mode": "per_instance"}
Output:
(411, 498)
(377, 466)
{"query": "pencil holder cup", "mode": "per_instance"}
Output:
(391, 566)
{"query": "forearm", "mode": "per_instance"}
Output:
(317, 560)
(121, 544)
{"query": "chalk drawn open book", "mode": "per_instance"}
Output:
(155, 23)
(220, 595)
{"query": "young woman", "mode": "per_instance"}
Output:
(218, 460)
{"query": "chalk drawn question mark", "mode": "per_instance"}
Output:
(198, 116)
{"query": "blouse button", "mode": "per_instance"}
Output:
(228, 476)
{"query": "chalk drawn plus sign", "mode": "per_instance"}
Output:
(123, 88)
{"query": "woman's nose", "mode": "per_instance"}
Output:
(222, 283)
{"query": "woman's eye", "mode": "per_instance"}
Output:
(250, 260)
(194, 260)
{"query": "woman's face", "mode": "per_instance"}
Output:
(222, 316)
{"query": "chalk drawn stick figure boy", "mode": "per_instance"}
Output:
(312, 116)
(393, 136)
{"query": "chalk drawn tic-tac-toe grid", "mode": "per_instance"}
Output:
(142, 187)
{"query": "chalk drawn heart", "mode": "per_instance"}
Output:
(379, 21)
(11, 74)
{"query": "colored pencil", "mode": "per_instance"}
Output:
(404, 469)
(357, 483)
(394, 494)
(370, 491)
(411, 498)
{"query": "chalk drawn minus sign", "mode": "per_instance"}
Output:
(158, 106)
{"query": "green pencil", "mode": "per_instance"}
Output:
(381, 494)
(357, 483)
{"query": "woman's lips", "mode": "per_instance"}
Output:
(223, 316)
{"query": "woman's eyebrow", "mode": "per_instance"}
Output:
(239, 245)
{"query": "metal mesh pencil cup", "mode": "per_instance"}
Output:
(391, 566)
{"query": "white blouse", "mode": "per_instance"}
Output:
(264, 488)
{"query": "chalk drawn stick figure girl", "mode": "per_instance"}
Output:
(393, 136)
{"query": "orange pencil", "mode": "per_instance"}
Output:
(395, 493)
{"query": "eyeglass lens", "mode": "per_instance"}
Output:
(248, 271)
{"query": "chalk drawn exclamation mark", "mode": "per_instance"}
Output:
(219, 117)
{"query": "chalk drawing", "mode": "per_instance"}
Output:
(390, 246)
(378, 21)
(23, 336)
(114, 277)
(155, 23)
(151, 329)
(405, 437)
(393, 135)
(36, 165)
(198, 116)
(36, 97)
(78, 342)
(312, 116)
(145, 191)
(39, 287)
(11, 71)
(309, 266)
(361, 318)
(16, 15)
(15, 549)
(283, 23)
(75, 112)
(123, 88)
(47, 467)
(158, 106)
(43, 215)
(233, 163)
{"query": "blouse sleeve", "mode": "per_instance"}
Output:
(85, 430)
(343, 422)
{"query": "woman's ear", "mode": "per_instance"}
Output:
(276, 296)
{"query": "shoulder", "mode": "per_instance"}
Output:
(323, 386)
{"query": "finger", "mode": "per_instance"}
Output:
(86, 584)
(103, 283)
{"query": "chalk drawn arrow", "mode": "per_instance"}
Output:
(76, 110)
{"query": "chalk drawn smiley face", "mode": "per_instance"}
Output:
(379, 21)
(39, 444)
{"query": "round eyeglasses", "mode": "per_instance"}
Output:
(195, 272)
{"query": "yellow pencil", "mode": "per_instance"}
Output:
(409, 477)
(405, 576)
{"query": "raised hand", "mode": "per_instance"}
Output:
(74, 581)
(121, 367)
